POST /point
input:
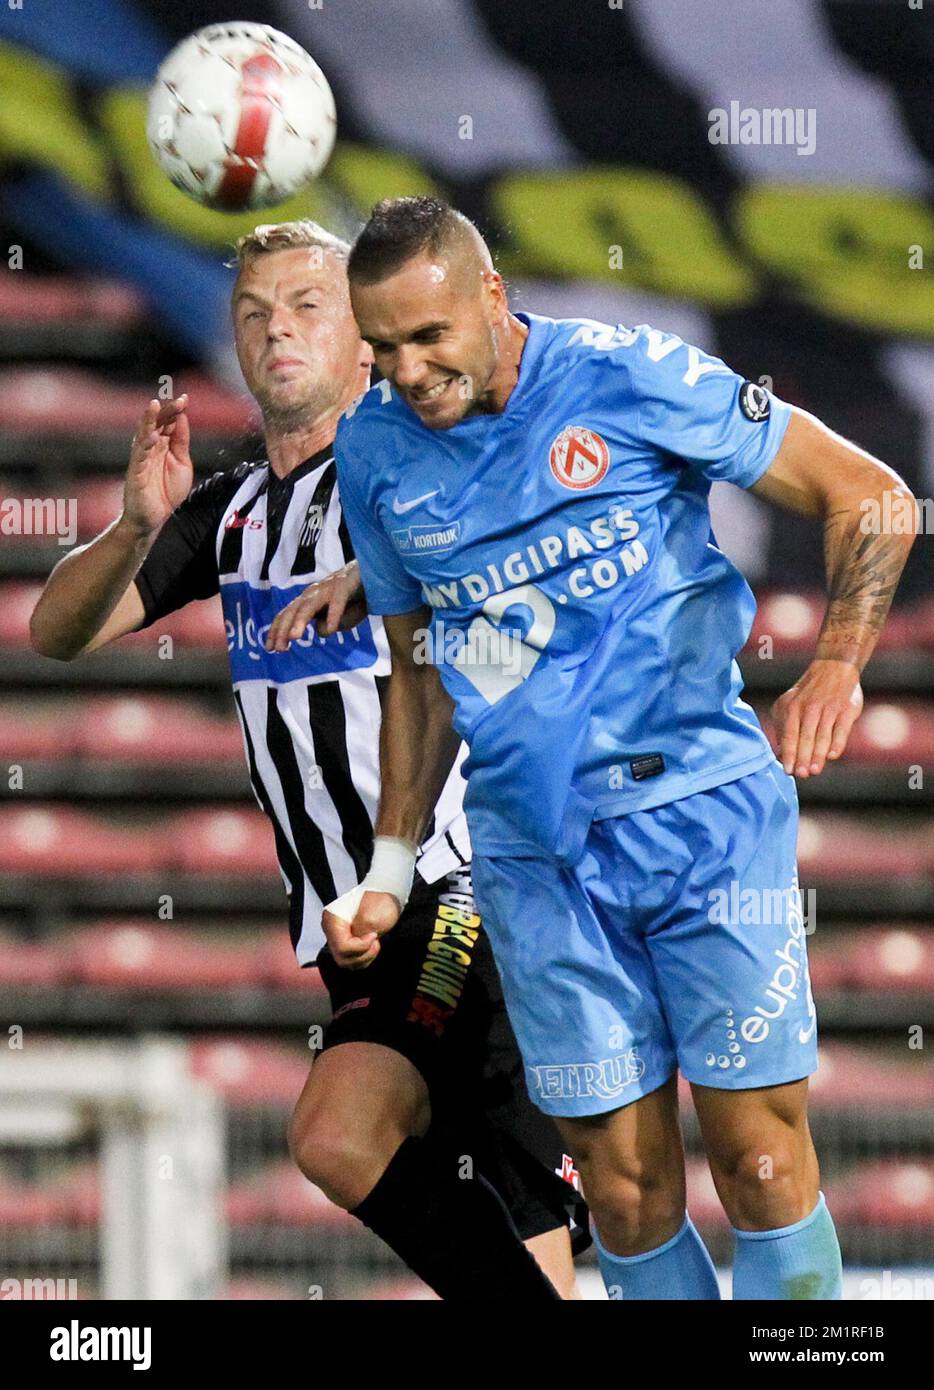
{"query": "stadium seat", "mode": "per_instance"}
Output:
(251, 1073)
(57, 842)
(277, 966)
(99, 502)
(149, 729)
(230, 842)
(893, 958)
(139, 956)
(279, 1195)
(860, 1078)
(891, 1193)
(895, 732)
(199, 624)
(68, 401)
(61, 301)
(32, 1206)
(828, 964)
(792, 621)
(34, 729)
(17, 600)
(30, 965)
(262, 1291)
(834, 848)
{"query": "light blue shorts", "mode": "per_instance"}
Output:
(678, 940)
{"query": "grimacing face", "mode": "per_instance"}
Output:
(297, 342)
(433, 328)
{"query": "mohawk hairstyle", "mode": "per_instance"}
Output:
(397, 230)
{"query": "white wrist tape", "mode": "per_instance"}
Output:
(391, 871)
(392, 868)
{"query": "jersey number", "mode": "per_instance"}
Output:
(496, 660)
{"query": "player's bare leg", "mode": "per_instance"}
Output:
(361, 1103)
(631, 1163)
(766, 1173)
(552, 1251)
(361, 1100)
(760, 1152)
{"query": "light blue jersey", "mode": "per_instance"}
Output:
(584, 621)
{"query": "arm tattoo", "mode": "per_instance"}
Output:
(862, 572)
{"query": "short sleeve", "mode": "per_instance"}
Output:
(182, 564)
(389, 588)
(694, 406)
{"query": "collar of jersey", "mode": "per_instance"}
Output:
(532, 350)
(307, 466)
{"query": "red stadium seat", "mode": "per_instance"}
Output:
(829, 964)
(261, 1291)
(862, 1079)
(58, 842)
(30, 1206)
(922, 616)
(199, 624)
(30, 965)
(897, 732)
(834, 848)
(17, 600)
(43, 730)
(251, 1073)
(892, 1194)
(56, 300)
(66, 401)
(280, 1195)
(136, 955)
(144, 729)
(99, 502)
(893, 957)
(230, 842)
(792, 621)
(277, 966)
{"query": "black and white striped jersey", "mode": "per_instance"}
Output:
(310, 716)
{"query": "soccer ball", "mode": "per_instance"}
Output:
(240, 116)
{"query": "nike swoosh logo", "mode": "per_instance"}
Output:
(400, 508)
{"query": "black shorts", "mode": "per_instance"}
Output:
(433, 994)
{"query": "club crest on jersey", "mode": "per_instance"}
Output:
(579, 457)
(312, 526)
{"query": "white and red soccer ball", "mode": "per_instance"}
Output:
(240, 116)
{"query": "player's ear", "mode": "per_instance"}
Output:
(495, 291)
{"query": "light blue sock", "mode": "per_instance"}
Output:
(799, 1261)
(681, 1268)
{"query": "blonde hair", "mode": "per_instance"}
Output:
(286, 236)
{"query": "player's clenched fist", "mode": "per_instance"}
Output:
(160, 474)
(337, 602)
(355, 944)
(814, 718)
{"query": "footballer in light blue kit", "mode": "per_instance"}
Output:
(539, 489)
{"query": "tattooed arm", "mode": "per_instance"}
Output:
(819, 474)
